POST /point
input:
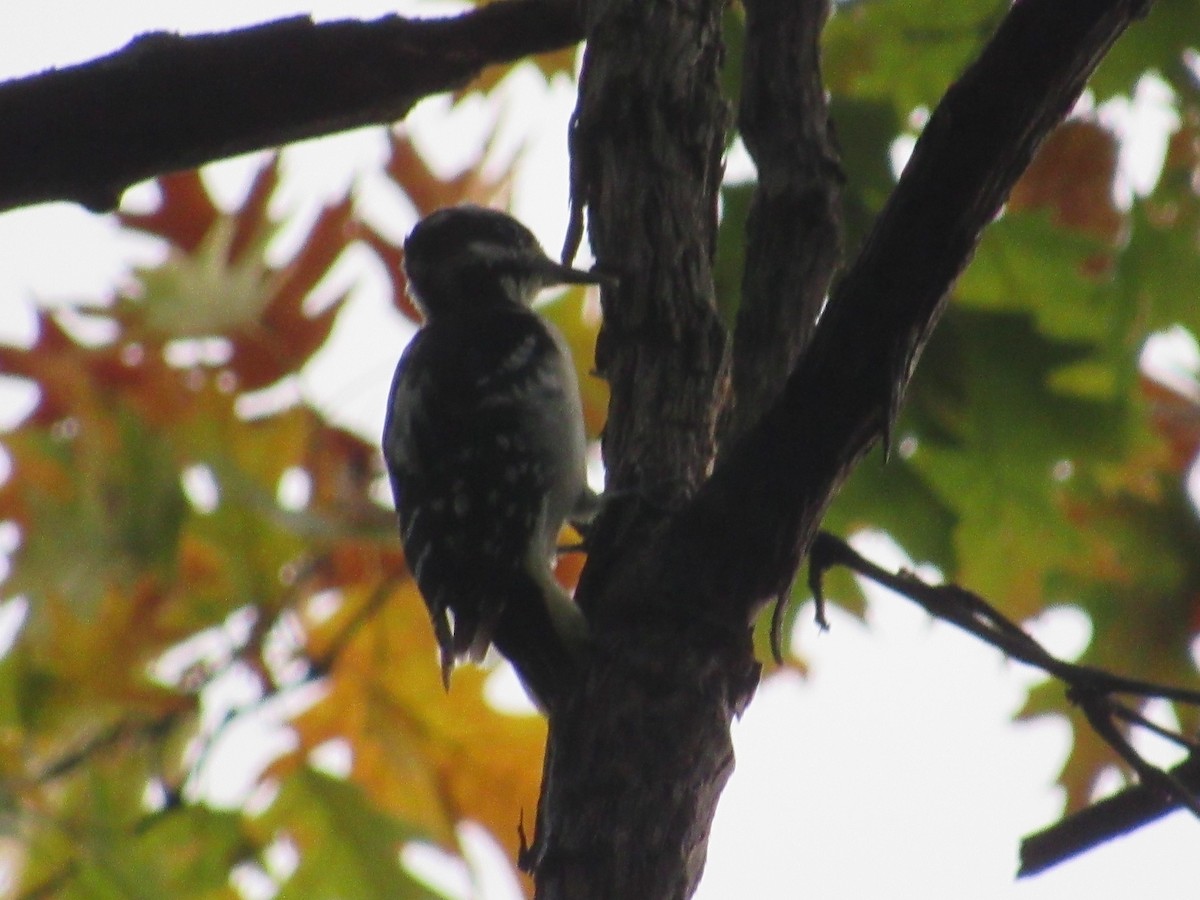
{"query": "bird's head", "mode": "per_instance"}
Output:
(465, 258)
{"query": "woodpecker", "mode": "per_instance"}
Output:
(485, 447)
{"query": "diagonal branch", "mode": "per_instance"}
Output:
(1092, 689)
(746, 531)
(167, 102)
(975, 615)
(1130, 809)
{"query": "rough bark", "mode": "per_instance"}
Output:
(638, 755)
(793, 232)
(647, 139)
(167, 102)
(636, 762)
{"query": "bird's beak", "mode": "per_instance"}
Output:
(556, 273)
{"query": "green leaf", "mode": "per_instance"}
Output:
(1026, 263)
(1158, 42)
(348, 849)
(114, 510)
(1137, 576)
(150, 511)
(1151, 295)
(202, 292)
(866, 129)
(904, 52)
(990, 425)
(106, 844)
(733, 35)
(1139, 580)
(895, 497)
(731, 249)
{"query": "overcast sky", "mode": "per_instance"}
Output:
(893, 771)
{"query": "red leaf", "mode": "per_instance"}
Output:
(1073, 174)
(392, 257)
(251, 218)
(428, 192)
(185, 212)
(325, 241)
(1175, 414)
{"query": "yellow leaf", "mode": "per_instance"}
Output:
(430, 758)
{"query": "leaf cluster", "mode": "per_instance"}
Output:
(183, 521)
(182, 517)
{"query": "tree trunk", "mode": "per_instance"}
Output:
(681, 561)
(638, 756)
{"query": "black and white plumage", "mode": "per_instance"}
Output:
(484, 443)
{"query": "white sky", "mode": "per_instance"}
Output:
(894, 771)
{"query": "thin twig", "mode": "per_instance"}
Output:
(1091, 689)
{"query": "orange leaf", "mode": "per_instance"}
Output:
(251, 218)
(392, 257)
(185, 211)
(1073, 174)
(428, 192)
(432, 759)
(1175, 414)
(1183, 149)
(342, 467)
(322, 246)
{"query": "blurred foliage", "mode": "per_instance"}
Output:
(162, 496)
(177, 527)
(1037, 461)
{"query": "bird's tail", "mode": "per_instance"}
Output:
(543, 635)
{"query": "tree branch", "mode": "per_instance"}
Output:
(167, 102)
(975, 615)
(661, 347)
(647, 139)
(1092, 689)
(1126, 811)
(793, 231)
(746, 531)
(637, 756)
